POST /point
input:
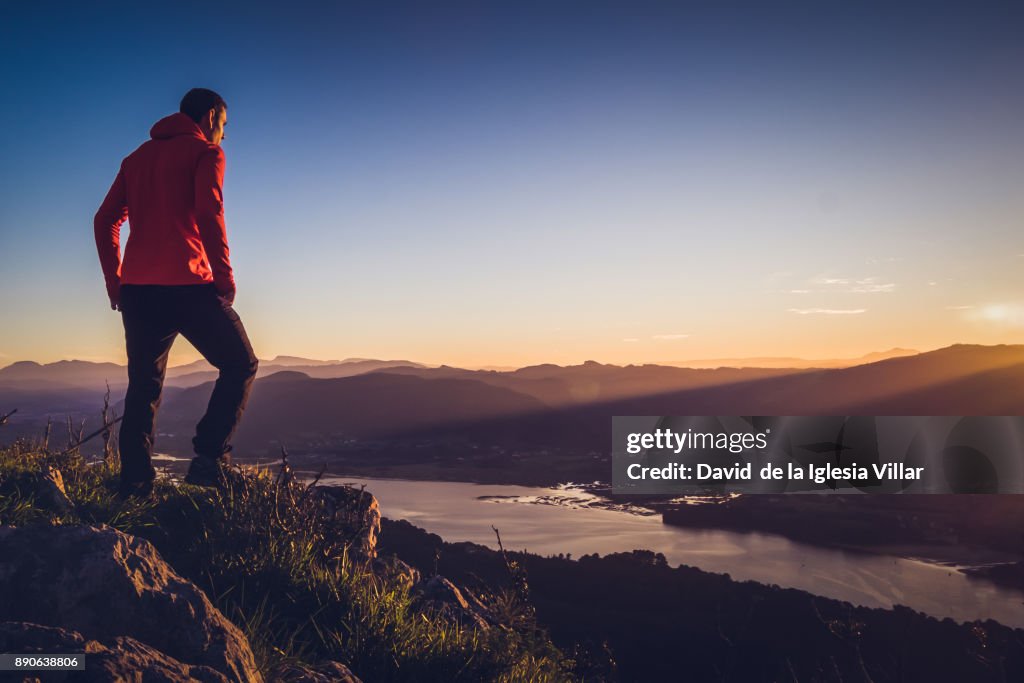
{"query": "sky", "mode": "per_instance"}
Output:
(515, 183)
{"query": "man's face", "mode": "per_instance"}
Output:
(213, 125)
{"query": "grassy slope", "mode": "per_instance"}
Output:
(264, 554)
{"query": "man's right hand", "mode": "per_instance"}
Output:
(114, 294)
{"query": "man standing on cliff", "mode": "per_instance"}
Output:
(175, 278)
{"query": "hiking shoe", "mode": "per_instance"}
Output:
(139, 490)
(204, 471)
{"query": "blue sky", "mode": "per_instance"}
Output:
(484, 183)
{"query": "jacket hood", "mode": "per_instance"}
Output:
(174, 125)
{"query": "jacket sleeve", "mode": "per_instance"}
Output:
(107, 229)
(209, 214)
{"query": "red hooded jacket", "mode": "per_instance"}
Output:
(169, 189)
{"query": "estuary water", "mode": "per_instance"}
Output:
(549, 521)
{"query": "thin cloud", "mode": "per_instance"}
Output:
(958, 308)
(630, 339)
(670, 336)
(870, 285)
(864, 285)
(827, 311)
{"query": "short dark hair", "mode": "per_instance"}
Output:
(198, 101)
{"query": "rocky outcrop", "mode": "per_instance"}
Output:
(444, 597)
(435, 593)
(326, 672)
(45, 487)
(105, 585)
(50, 491)
(394, 569)
(353, 509)
(120, 659)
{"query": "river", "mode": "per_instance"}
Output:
(549, 521)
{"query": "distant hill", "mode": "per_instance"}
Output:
(791, 362)
(549, 406)
(285, 361)
(74, 373)
(558, 385)
(957, 380)
(508, 408)
(319, 369)
(289, 405)
(29, 375)
(553, 384)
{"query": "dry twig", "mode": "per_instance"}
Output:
(82, 440)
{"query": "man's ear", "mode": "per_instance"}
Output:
(211, 117)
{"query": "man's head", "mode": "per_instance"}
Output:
(208, 110)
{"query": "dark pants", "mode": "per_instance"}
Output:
(153, 316)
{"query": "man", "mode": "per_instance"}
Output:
(175, 278)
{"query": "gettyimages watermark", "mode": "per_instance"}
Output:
(846, 454)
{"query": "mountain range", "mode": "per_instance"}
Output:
(790, 361)
(80, 373)
(320, 404)
(87, 374)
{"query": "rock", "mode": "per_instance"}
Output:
(50, 491)
(326, 672)
(106, 584)
(122, 659)
(395, 569)
(441, 589)
(356, 510)
(128, 659)
(20, 636)
(475, 603)
(445, 598)
(45, 486)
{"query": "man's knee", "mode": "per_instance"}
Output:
(145, 384)
(244, 368)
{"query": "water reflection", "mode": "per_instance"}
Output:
(549, 521)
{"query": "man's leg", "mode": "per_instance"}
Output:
(149, 335)
(216, 330)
